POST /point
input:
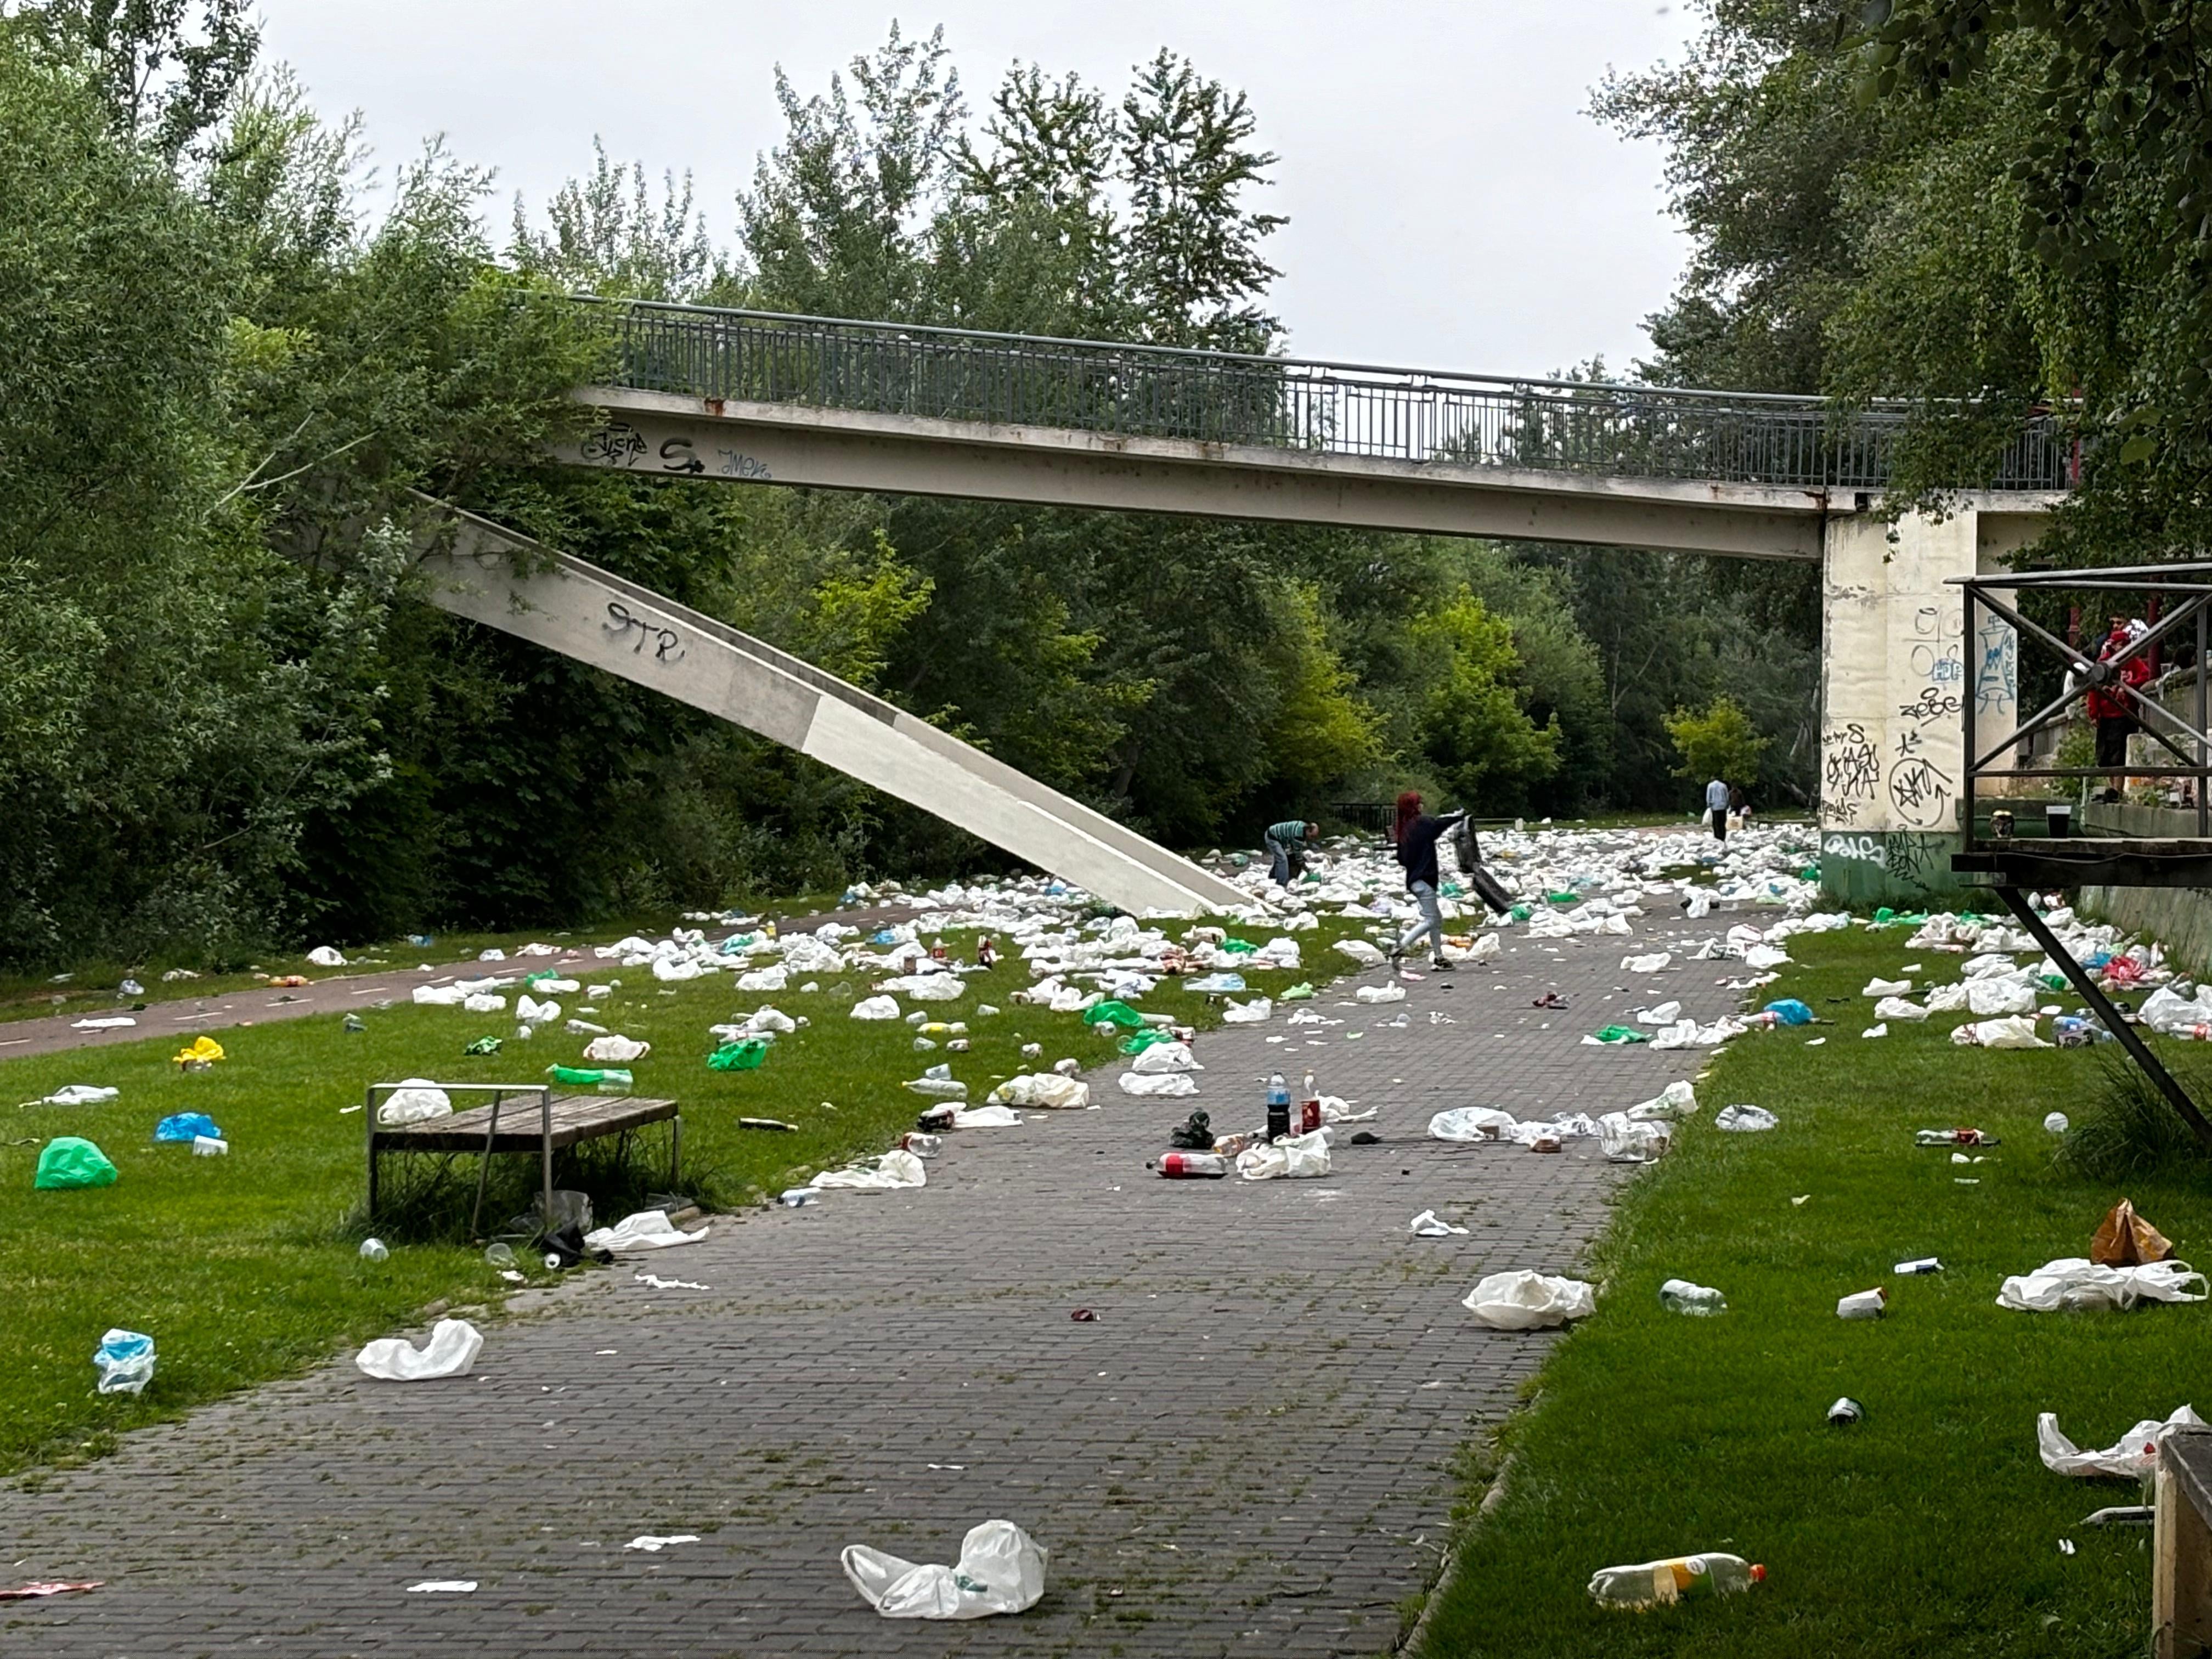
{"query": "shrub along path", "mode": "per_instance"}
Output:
(1251, 1450)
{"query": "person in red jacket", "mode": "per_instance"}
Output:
(2113, 712)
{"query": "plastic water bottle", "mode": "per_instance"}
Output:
(372, 1250)
(1679, 1578)
(1194, 1166)
(1701, 1301)
(1278, 1107)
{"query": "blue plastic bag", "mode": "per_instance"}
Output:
(124, 1360)
(1216, 982)
(1790, 1011)
(186, 1125)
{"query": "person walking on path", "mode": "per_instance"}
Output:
(1417, 835)
(1285, 844)
(1716, 808)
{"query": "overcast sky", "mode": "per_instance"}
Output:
(1450, 205)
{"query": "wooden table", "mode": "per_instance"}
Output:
(2181, 1547)
(520, 1118)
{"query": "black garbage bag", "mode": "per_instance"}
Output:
(1193, 1135)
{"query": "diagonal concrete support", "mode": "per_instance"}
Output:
(508, 581)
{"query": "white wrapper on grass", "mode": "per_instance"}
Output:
(451, 1350)
(646, 1230)
(1898, 1008)
(2017, 1031)
(927, 988)
(1887, 987)
(2075, 1281)
(1524, 1300)
(1254, 1013)
(79, 1094)
(615, 1049)
(1001, 1570)
(876, 1008)
(1744, 1120)
(2134, 1454)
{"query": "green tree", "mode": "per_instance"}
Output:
(1472, 727)
(1718, 741)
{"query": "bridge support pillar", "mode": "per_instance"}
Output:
(1897, 669)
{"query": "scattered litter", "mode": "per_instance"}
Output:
(197, 1055)
(1254, 1013)
(2076, 1282)
(647, 1543)
(186, 1125)
(876, 1008)
(124, 1361)
(76, 1094)
(1374, 994)
(1165, 1085)
(615, 1049)
(70, 1161)
(1845, 1413)
(1863, 1304)
(1293, 1156)
(108, 1023)
(414, 1100)
(1525, 1300)
(1926, 1264)
(645, 1229)
(891, 1172)
(1045, 1090)
(50, 1587)
(2133, 1454)
(1744, 1119)
(443, 1587)
(2124, 1239)
(1681, 1297)
(1001, 1570)
(2055, 1122)
(374, 1250)
(1084, 1316)
(1658, 1584)
(1876, 1031)
(1429, 1224)
(451, 1350)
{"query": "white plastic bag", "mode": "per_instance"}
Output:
(927, 988)
(2135, 1453)
(1524, 1300)
(890, 1173)
(1887, 987)
(451, 1350)
(773, 977)
(1631, 1140)
(1360, 952)
(1166, 1057)
(1429, 1224)
(324, 955)
(614, 1049)
(1042, 1089)
(1374, 994)
(1162, 1085)
(2015, 1031)
(1898, 1008)
(414, 1100)
(1293, 1158)
(1001, 1570)
(1986, 997)
(1744, 1119)
(1470, 1123)
(1254, 1013)
(985, 1117)
(2075, 1281)
(1677, 1099)
(646, 1230)
(876, 1008)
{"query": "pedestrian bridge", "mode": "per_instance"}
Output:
(741, 397)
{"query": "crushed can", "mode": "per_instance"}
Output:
(1845, 1413)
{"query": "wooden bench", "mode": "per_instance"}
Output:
(2181, 1547)
(519, 1117)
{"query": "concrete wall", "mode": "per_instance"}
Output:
(1897, 670)
(596, 617)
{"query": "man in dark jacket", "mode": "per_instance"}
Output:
(1417, 835)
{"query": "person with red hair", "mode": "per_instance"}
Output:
(1416, 835)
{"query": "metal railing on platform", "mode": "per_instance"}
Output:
(1285, 403)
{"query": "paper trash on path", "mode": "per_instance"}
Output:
(2134, 1454)
(892, 1172)
(451, 1350)
(1293, 1158)
(1470, 1123)
(1524, 1300)
(1043, 1090)
(1164, 1085)
(1001, 1570)
(1429, 1224)
(645, 1229)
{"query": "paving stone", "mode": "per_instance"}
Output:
(1250, 1452)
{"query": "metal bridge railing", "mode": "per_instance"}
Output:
(1326, 408)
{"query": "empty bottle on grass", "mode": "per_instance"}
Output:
(1679, 1295)
(372, 1250)
(1655, 1583)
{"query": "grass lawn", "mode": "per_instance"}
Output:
(245, 1267)
(1932, 1528)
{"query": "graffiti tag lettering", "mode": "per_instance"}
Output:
(615, 444)
(622, 624)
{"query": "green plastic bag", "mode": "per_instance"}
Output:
(482, 1045)
(1568, 897)
(1617, 1033)
(67, 1161)
(1519, 913)
(744, 1055)
(1302, 991)
(608, 1080)
(1239, 947)
(1137, 1041)
(1115, 1013)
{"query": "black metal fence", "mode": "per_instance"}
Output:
(1327, 408)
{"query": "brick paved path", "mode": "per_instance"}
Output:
(1249, 1452)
